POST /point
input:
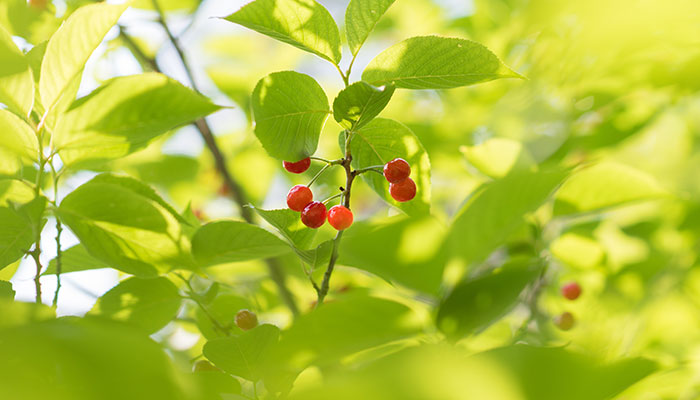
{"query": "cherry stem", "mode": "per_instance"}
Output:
(329, 162)
(325, 167)
(349, 177)
(335, 196)
(373, 168)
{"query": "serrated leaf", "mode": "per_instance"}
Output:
(124, 114)
(603, 186)
(18, 138)
(304, 24)
(379, 142)
(290, 109)
(139, 188)
(16, 236)
(125, 228)
(361, 17)
(245, 355)
(478, 302)
(359, 103)
(149, 304)
(231, 241)
(494, 211)
(16, 82)
(406, 251)
(433, 62)
(70, 47)
(75, 259)
(288, 224)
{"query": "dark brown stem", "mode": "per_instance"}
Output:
(349, 178)
(274, 268)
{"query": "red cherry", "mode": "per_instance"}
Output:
(246, 320)
(340, 217)
(397, 170)
(314, 214)
(299, 197)
(297, 167)
(404, 190)
(565, 321)
(571, 290)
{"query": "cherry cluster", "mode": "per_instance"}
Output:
(314, 213)
(401, 187)
(566, 320)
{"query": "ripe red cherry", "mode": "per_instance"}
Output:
(397, 170)
(246, 320)
(314, 214)
(299, 197)
(340, 217)
(571, 290)
(565, 321)
(297, 167)
(404, 190)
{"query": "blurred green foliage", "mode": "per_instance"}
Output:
(584, 171)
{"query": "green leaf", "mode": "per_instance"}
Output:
(146, 303)
(126, 227)
(16, 82)
(290, 109)
(18, 138)
(407, 251)
(124, 114)
(318, 256)
(71, 46)
(432, 62)
(289, 225)
(16, 236)
(139, 188)
(347, 325)
(75, 259)
(478, 302)
(245, 355)
(223, 309)
(359, 103)
(216, 385)
(361, 17)
(379, 142)
(231, 241)
(603, 186)
(304, 24)
(496, 210)
(497, 157)
(6, 291)
(13, 191)
(553, 373)
(74, 358)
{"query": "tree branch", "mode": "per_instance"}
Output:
(349, 178)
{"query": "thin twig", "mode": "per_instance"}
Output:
(192, 296)
(59, 231)
(349, 178)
